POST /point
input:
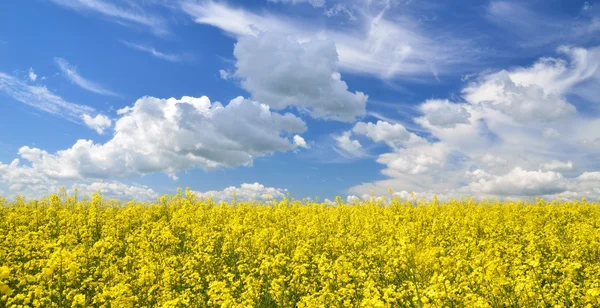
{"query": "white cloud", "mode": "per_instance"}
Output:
(352, 199)
(586, 185)
(32, 75)
(26, 180)
(315, 3)
(521, 182)
(132, 14)
(590, 177)
(116, 190)
(478, 175)
(558, 75)
(39, 97)
(98, 123)
(558, 166)
(444, 114)
(395, 135)
(169, 135)
(71, 73)
(414, 160)
(348, 145)
(33, 183)
(246, 192)
(538, 92)
(376, 44)
(518, 120)
(157, 54)
(300, 142)
(522, 102)
(281, 72)
(411, 154)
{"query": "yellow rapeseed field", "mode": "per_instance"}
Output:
(181, 251)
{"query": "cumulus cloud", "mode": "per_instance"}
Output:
(414, 160)
(521, 182)
(395, 135)
(169, 135)
(444, 114)
(282, 72)
(352, 199)
(116, 190)
(99, 123)
(246, 192)
(411, 153)
(348, 145)
(504, 136)
(522, 102)
(26, 179)
(70, 72)
(32, 182)
(377, 44)
(537, 92)
(586, 185)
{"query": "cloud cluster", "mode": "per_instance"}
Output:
(98, 123)
(282, 72)
(377, 44)
(512, 133)
(246, 192)
(155, 53)
(34, 183)
(170, 135)
(116, 190)
(443, 113)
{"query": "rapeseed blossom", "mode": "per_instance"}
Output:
(182, 251)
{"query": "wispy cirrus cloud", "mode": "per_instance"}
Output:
(70, 72)
(531, 28)
(42, 99)
(518, 132)
(131, 14)
(158, 54)
(39, 97)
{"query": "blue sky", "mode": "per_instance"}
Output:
(316, 98)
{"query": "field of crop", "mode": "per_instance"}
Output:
(181, 251)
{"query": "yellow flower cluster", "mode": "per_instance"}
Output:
(181, 251)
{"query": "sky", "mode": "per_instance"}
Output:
(307, 98)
